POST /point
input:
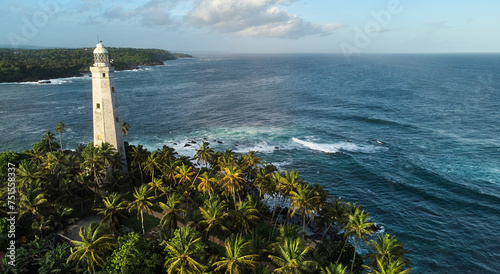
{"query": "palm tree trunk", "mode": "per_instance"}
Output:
(354, 257)
(327, 229)
(275, 223)
(303, 224)
(197, 174)
(341, 251)
(60, 141)
(142, 223)
(142, 177)
(234, 200)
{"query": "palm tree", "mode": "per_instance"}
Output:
(232, 182)
(93, 161)
(172, 212)
(285, 185)
(262, 182)
(95, 245)
(61, 217)
(226, 159)
(236, 258)
(183, 174)
(27, 173)
(292, 257)
(203, 154)
(334, 269)
(213, 214)
(125, 128)
(112, 210)
(36, 154)
(151, 164)
(48, 138)
(386, 248)
(359, 228)
(60, 128)
(304, 201)
(274, 190)
(334, 213)
(245, 216)
(156, 185)
(206, 183)
(109, 154)
(52, 161)
(288, 231)
(250, 162)
(183, 252)
(142, 203)
(166, 154)
(391, 266)
(169, 170)
(139, 155)
(32, 200)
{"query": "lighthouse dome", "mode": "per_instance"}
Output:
(101, 56)
(100, 49)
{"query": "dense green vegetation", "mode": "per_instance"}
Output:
(228, 214)
(20, 65)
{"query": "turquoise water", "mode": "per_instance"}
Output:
(414, 138)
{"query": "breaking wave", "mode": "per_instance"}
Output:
(338, 147)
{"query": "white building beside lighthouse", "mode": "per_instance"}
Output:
(107, 123)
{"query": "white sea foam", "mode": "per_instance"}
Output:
(262, 147)
(327, 148)
(338, 147)
(281, 166)
(57, 81)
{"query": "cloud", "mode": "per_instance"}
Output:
(153, 13)
(256, 18)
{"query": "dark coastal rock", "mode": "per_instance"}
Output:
(220, 142)
(193, 142)
(276, 148)
(175, 144)
(376, 227)
(187, 145)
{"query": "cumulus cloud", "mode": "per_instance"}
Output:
(254, 18)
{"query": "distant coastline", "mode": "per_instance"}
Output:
(23, 65)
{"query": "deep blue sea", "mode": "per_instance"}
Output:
(415, 139)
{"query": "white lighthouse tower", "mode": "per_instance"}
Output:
(107, 124)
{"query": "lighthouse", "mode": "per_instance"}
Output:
(107, 124)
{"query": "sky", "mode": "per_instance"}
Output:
(256, 26)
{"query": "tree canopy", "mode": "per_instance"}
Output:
(21, 65)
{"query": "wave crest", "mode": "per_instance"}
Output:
(338, 147)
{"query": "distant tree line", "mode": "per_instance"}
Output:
(20, 65)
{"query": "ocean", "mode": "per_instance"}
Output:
(415, 138)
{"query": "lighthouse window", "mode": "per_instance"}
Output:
(104, 75)
(99, 136)
(112, 89)
(98, 105)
